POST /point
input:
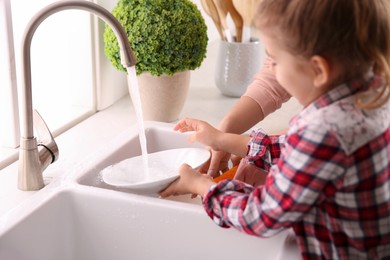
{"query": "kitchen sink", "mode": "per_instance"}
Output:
(89, 223)
(79, 217)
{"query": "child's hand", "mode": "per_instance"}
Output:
(189, 182)
(204, 132)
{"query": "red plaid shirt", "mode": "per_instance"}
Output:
(329, 179)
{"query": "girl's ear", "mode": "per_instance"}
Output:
(321, 70)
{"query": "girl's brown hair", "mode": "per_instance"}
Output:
(353, 33)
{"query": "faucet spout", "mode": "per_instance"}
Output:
(33, 161)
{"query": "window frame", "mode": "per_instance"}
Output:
(9, 111)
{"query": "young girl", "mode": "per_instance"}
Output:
(329, 177)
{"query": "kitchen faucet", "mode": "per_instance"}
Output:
(34, 157)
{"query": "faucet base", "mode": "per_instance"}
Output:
(30, 173)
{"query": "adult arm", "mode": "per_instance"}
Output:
(263, 96)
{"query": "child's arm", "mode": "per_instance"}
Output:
(263, 151)
(210, 136)
(294, 185)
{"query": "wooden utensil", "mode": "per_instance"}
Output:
(236, 17)
(223, 12)
(211, 10)
(247, 10)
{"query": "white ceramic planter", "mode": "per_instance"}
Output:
(163, 97)
(236, 65)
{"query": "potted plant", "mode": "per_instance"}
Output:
(168, 38)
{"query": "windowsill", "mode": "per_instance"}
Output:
(10, 155)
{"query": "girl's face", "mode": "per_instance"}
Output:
(294, 74)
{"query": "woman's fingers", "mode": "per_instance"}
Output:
(219, 162)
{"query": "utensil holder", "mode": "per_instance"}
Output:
(236, 65)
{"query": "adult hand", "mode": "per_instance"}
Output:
(250, 174)
(219, 162)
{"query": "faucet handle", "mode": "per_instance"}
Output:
(47, 146)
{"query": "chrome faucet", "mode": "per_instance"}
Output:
(34, 157)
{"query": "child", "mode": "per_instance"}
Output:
(330, 178)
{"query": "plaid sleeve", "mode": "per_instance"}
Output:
(232, 203)
(264, 150)
(292, 187)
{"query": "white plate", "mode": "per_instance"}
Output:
(163, 169)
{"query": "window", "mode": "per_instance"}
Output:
(67, 61)
(61, 62)
(9, 136)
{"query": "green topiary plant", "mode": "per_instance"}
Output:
(167, 36)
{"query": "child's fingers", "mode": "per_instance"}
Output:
(183, 125)
(188, 124)
(192, 137)
(170, 190)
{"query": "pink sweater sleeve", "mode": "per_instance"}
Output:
(266, 91)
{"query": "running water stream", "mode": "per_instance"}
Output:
(149, 173)
(132, 83)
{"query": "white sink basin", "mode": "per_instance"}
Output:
(79, 217)
(88, 223)
(160, 136)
